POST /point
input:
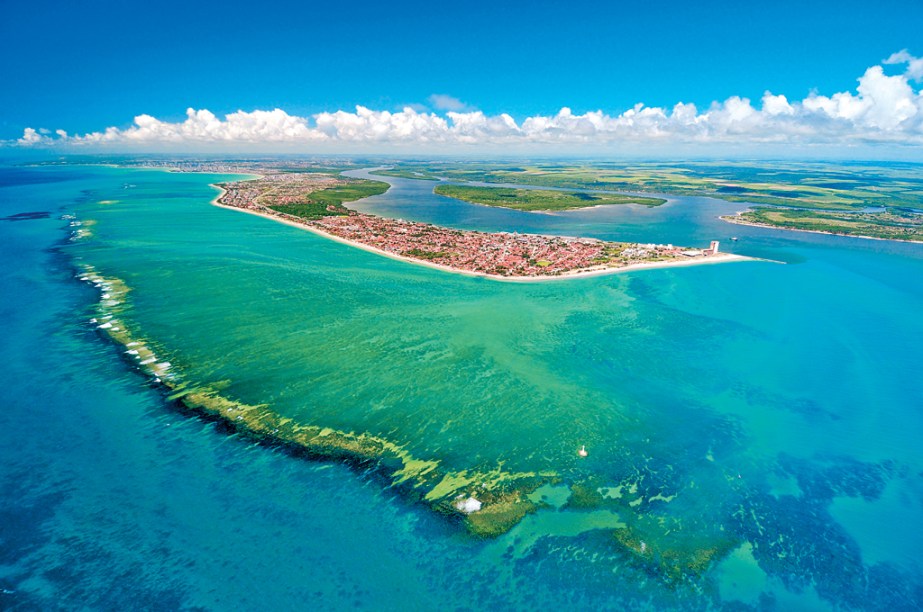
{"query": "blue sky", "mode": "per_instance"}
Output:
(84, 66)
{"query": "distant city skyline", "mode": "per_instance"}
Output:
(522, 78)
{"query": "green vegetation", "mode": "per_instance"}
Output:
(891, 225)
(329, 202)
(538, 199)
(829, 186)
(311, 210)
(355, 189)
(423, 254)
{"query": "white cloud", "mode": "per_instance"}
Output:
(366, 126)
(445, 102)
(884, 105)
(914, 64)
(31, 137)
(203, 126)
(882, 109)
(776, 105)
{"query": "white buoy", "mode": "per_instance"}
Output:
(582, 452)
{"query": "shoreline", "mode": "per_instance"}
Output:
(736, 220)
(585, 273)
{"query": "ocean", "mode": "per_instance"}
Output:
(752, 428)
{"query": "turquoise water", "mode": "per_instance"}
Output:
(766, 412)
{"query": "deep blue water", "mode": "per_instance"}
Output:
(112, 499)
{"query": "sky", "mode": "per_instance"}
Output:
(383, 76)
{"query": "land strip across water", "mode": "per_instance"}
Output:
(315, 203)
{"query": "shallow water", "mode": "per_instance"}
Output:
(768, 410)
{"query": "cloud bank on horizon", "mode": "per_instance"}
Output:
(883, 110)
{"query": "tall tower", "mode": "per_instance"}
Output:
(713, 247)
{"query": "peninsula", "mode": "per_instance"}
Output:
(315, 202)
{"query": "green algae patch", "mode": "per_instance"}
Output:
(670, 551)
(585, 496)
(594, 493)
(498, 512)
(501, 515)
(449, 484)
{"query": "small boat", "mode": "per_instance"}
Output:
(734, 239)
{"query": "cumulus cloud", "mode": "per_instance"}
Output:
(445, 102)
(32, 137)
(881, 109)
(914, 64)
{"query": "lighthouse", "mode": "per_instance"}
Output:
(713, 247)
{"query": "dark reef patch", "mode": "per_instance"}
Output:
(27, 216)
(840, 477)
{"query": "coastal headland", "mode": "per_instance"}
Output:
(315, 202)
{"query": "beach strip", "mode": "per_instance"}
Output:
(600, 270)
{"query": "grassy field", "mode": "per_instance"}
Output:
(329, 202)
(828, 186)
(538, 199)
(311, 210)
(889, 225)
(355, 189)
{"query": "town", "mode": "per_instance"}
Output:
(287, 196)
